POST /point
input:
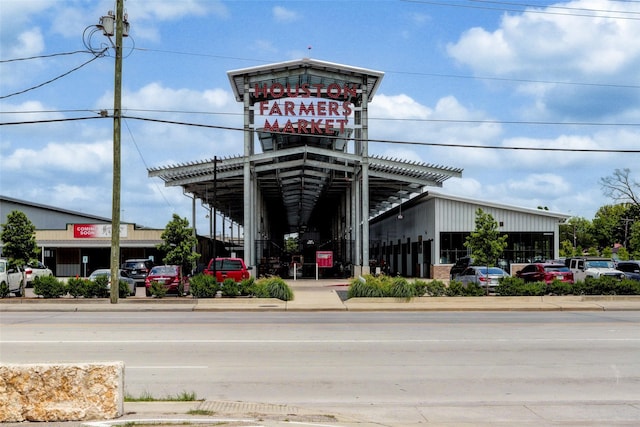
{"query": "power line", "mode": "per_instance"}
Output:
(536, 11)
(389, 141)
(55, 78)
(385, 141)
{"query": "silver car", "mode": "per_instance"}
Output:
(123, 276)
(478, 275)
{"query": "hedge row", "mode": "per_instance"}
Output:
(205, 286)
(50, 287)
(399, 287)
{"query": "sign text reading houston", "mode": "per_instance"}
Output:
(329, 115)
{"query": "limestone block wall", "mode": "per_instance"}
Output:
(61, 392)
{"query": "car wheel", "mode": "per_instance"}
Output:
(147, 291)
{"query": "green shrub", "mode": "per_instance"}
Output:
(367, 287)
(560, 288)
(48, 287)
(230, 288)
(4, 290)
(628, 287)
(457, 289)
(533, 289)
(401, 288)
(203, 286)
(157, 289)
(273, 287)
(123, 289)
(510, 286)
(98, 288)
(436, 288)
(246, 286)
(419, 288)
(76, 286)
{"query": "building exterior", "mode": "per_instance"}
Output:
(75, 243)
(424, 236)
(314, 178)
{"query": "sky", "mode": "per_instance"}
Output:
(467, 84)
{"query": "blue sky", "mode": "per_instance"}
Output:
(457, 72)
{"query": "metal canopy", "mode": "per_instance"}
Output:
(305, 178)
(296, 182)
(306, 70)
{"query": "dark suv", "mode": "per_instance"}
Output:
(137, 269)
(460, 265)
(631, 269)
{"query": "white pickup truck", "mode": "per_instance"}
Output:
(11, 277)
(593, 267)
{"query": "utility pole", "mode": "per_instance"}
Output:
(115, 206)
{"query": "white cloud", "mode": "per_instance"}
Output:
(281, 14)
(67, 157)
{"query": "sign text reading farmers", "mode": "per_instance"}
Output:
(310, 113)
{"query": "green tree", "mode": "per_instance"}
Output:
(634, 240)
(578, 231)
(291, 244)
(485, 241)
(179, 241)
(19, 239)
(609, 225)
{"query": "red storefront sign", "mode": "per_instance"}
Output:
(92, 231)
(324, 259)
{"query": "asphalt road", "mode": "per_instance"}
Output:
(549, 368)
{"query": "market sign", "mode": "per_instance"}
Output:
(300, 108)
(324, 259)
(91, 231)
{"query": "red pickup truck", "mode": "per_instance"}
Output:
(228, 268)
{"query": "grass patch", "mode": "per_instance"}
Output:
(202, 412)
(148, 397)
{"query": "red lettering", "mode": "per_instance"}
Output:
(347, 108)
(273, 128)
(308, 110)
(260, 90)
(275, 109)
(333, 91)
(277, 90)
(342, 122)
(288, 127)
(315, 126)
(289, 108)
(264, 105)
(318, 87)
(351, 91)
(333, 108)
(322, 108)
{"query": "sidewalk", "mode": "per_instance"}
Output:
(326, 295)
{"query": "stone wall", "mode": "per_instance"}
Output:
(61, 392)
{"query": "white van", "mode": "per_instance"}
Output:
(11, 277)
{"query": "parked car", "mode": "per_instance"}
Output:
(545, 272)
(170, 276)
(478, 275)
(228, 268)
(631, 269)
(137, 269)
(123, 276)
(12, 277)
(460, 266)
(33, 270)
(593, 267)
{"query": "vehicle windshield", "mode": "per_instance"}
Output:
(492, 270)
(550, 268)
(228, 264)
(599, 264)
(165, 269)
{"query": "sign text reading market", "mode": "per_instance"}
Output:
(334, 112)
